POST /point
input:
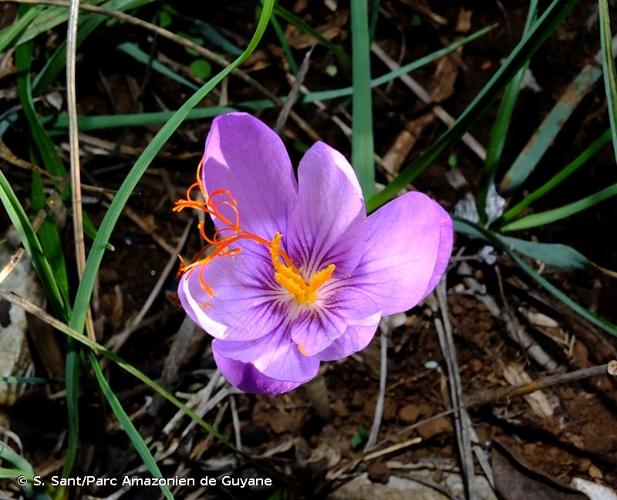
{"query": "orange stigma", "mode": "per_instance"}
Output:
(229, 233)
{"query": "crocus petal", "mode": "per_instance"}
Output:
(246, 157)
(353, 340)
(409, 243)
(247, 378)
(314, 330)
(326, 225)
(244, 306)
(274, 355)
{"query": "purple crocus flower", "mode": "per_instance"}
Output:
(297, 273)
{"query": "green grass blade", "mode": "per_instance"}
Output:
(127, 424)
(558, 178)
(551, 125)
(10, 33)
(49, 237)
(499, 131)
(50, 17)
(87, 123)
(374, 16)
(555, 214)
(95, 256)
(608, 68)
(278, 29)
(301, 25)
(45, 146)
(33, 247)
(462, 225)
(132, 50)
(214, 36)
(362, 150)
(541, 30)
(23, 467)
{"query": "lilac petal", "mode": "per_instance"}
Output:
(315, 330)
(407, 251)
(353, 340)
(247, 378)
(246, 157)
(274, 355)
(326, 225)
(244, 306)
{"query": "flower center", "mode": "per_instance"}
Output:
(230, 232)
(291, 279)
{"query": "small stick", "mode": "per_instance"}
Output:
(294, 93)
(386, 329)
(446, 340)
(392, 449)
(236, 422)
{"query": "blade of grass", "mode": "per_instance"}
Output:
(543, 282)
(608, 68)
(132, 50)
(548, 22)
(33, 247)
(7, 454)
(50, 238)
(374, 16)
(10, 33)
(555, 214)
(87, 123)
(362, 149)
(293, 65)
(551, 125)
(558, 178)
(301, 25)
(214, 36)
(501, 126)
(127, 424)
(50, 17)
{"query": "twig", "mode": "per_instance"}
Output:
(117, 341)
(423, 95)
(236, 422)
(294, 93)
(386, 329)
(71, 98)
(446, 340)
(391, 449)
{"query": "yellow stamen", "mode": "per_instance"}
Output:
(291, 279)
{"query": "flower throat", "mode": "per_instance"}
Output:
(286, 274)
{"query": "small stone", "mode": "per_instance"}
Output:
(594, 472)
(409, 414)
(378, 472)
